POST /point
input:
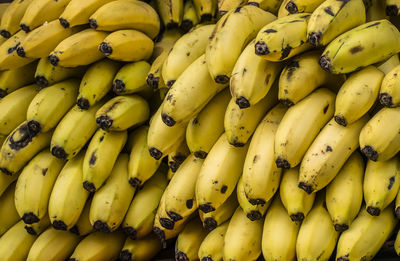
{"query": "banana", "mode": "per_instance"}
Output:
(99, 246)
(47, 74)
(42, 40)
(185, 51)
(206, 9)
(165, 41)
(357, 95)
(100, 157)
(3, 8)
(111, 202)
(296, 201)
(392, 7)
(16, 243)
(389, 64)
(381, 184)
(252, 77)
(345, 54)
(366, 236)
(279, 234)
(13, 108)
(77, 12)
(283, 38)
(73, 132)
(50, 105)
(141, 249)
(240, 123)
(5, 182)
(8, 213)
(389, 95)
(127, 46)
(9, 58)
(78, 49)
(182, 103)
(189, 240)
(206, 127)
(376, 10)
(219, 174)
(139, 219)
(14, 79)
(213, 243)
(171, 12)
(327, 154)
(20, 147)
(12, 16)
(317, 236)
(39, 175)
(154, 78)
(212, 220)
(302, 6)
(304, 69)
(344, 195)
(68, 197)
(123, 14)
(180, 200)
(397, 244)
(261, 177)
(178, 156)
(224, 6)
(122, 112)
(190, 18)
(300, 125)
(242, 240)
(380, 137)
(39, 227)
(282, 11)
(267, 5)
(237, 27)
(161, 139)
(53, 245)
(83, 226)
(142, 165)
(131, 78)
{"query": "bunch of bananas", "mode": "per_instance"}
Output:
(232, 129)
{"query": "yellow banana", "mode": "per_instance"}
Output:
(189, 240)
(267, 5)
(5, 182)
(206, 9)
(171, 12)
(9, 58)
(14, 79)
(397, 244)
(212, 220)
(190, 18)
(282, 11)
(389, 95)
(177, 156)
(38, 227)
(8, 214)
(12, 16)
(165, 41)
(376, 10)
(302, 6)
(224, 6)
(212, 245)
(141, 249)
(154, 78)
(131, 78)
(389, 64)
(3, 8)
(83, 226)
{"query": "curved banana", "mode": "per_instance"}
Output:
(131, 78)
(302, 6)
(178, 156)
(327, 154)
(8, 213)
(282, 11)
(165, 41)
(12, 16)
(267, 5)
(14, 79)
(224, 6)
(389, 64)
(206, 9)
(389, 95)
(154, 77)
(145, 248)
(83, 226)
(213, 244)
(300, 125)
(171, 12)
(212, 220)
(189, 240)
(190, 18)
(376, 10)
(237, 27)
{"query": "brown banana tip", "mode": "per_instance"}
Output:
(392, 10)
(256, 201)
(34, 127)
(64, 23)
(21, 52)
(93, 23)
(104, 122)
(206, 208)
(130, 232)
(173, 165)
(340, 120)
(169, 121)
(171, 25)
(200, 154)
(30, 218)
(254, 3)
(155, 153)
(105, 48)
(167, 223)
(75, 230)
(261, 48)
(341, 227)
(210, 223)
(342, 258)
(125, 255)
(314, 38)
(83, 103)
(152, 81)
(101, 226)
(242, 102)
(5, 33)
(41, 81)
(161, 235)
(118, 86)
(282, 163)
(89, 186)
(59, 152)
(186, 25)
(3, 93)
(221, 79)
(370, 153)
(398, 212)
(205, 18)
(135, 182)
(180, 256)
(237, 144)
(53, 60)
(325, 63)
(59, 225)
(170, 83)
(373, 211)
(30, 230)
(6, 171)
(292, 8)
(254, 215)
(286, 102)
(307, 188)
(25, 28)
(174, 216)
(207, 258)
(298, 217)
(386, 99)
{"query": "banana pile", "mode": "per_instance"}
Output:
(233, 130)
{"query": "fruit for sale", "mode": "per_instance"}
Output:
(131, 78)
(14, 79)
(140, 249)
(189, 240)
(8, 213)
(212, 245)
(212, 220)
(11, 18)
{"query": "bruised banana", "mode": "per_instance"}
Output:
(145, 248)
(14, 79)
(12, 16)
(213, 244)
(212, 220)
(131, 78)
(389, 95)
(189, 240)
(9, 58)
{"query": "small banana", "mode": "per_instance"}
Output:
(154, 77)
(224, 6)
(213, 244)
(131, 78)
(145, 248)
(212, 220)
(10, 21)
(206, 9)
(189, 240)
(83, 226)
(14, 79)
(190, 18)
(178, 156)
(171, 12)
(267, 5)
(6, 181)
(302, 6)
(9, 58)
(8, 213)
(389, 95)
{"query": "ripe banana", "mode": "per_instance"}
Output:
(189, 240)
(237, 27)
(397, 244)
(296, 201)
(68, 197)
(224, 6)
(122, 112)
(252, 77)
(376, 10)
(327, 154)
(381, 184)
(213, 243)
(242, 240)
(20, 147)
(50, 105)
(100, 157)
(185, 51)
(131, 78)
(357, 95)
(154, 78)
(380, 137)
(123, 14)
(13, 108)
(219, 174)
(177, 156)
(99, 246)
(165, 41)
(366, 236)
(261, 176)
(142, 165)
(206, 9)
(206, 127)
(389, 96)
(240, 123)
(190, 18)
(279, 234)
(344, 195)
(78, 49)
(212, 220)
(39, 227)
(302, 6)
(73, 132)
(300, 125)
(141, 249)
(47, 74)
(83, 226)
(171, 12)
(139, 219)
(267, 5)
(389, 64)
(301, 69)
(345, 54)
(53, 245)
(283, 38)
(111, 202)
(6, 181)
(332, 18)
(12, 16)
(282, 11)
(8, 214)
(14, 79)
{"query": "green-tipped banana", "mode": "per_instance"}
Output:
(213, 244)
(131, 78)
(145, 248)
(14, 79)
(10, 21)
(212, 220)
(8, 213)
